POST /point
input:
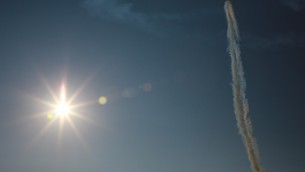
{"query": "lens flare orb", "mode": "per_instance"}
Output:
(50, 116)
(102, 100)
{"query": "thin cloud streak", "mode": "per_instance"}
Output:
(239, 90)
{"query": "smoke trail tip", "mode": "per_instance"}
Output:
(228, 3)
(228, 7)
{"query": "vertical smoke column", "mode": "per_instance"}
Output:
(239, 90)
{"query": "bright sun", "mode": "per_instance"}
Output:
(63, 109)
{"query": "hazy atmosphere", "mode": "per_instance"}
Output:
(146, 86)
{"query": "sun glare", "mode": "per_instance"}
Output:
(63, 110)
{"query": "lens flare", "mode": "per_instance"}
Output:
(102, 100)
(50, 116)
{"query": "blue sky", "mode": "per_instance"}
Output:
(185, 120)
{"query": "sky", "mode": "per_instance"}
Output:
(165, 71)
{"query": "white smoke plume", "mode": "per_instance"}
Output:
(239, 90)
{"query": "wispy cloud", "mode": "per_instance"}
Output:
(112, 10)
(295, 5)
(124, 13)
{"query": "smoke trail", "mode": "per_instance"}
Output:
(239, 90)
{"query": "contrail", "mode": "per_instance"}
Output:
(239, 90)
